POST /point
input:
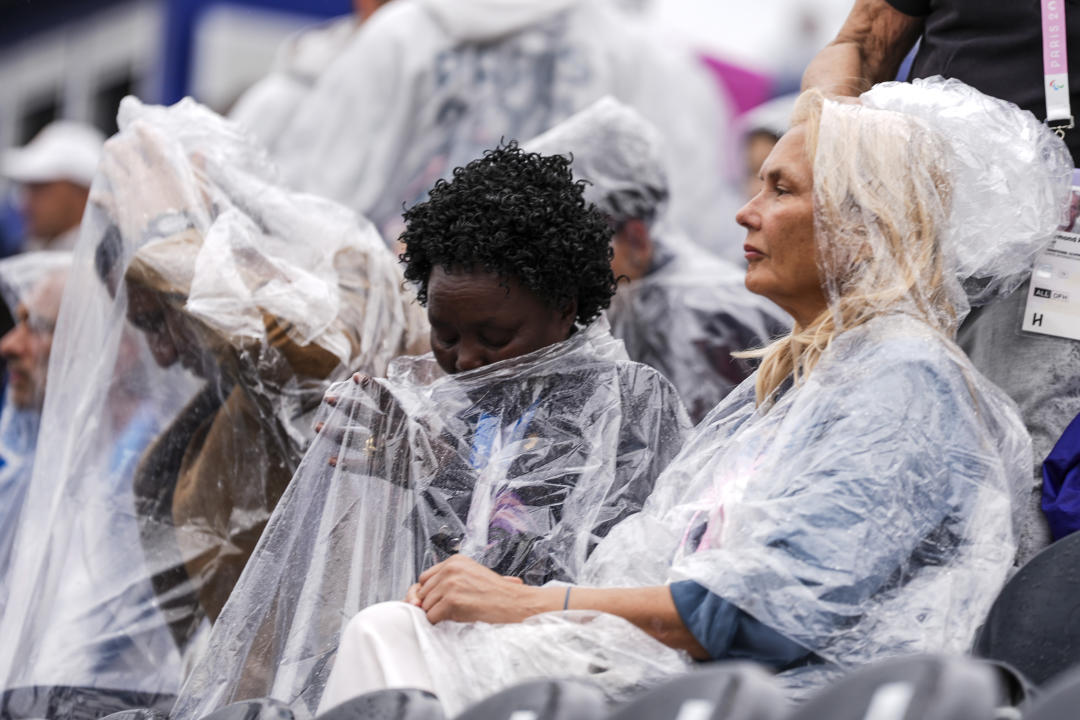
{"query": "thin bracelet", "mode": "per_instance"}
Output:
(566, 601)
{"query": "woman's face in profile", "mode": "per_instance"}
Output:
(478, 319)
(779, 222)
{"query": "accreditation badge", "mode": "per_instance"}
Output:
(1053, 304)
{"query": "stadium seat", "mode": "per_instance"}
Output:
(1059, 701)
(1033, 624)
(541, 700)
(78, 703)
(261, 709)
(915, 688)
(138, 714)
(388, 705)
(723, 691)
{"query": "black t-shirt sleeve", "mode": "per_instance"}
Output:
(915, 8)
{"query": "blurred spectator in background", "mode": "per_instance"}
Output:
(678, 308)
(760, 129)
(32, 285)
(55, 170)
(426, 86)
(268, 107)
(997, 48)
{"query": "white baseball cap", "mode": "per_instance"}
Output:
(772, 116)
(63, 150)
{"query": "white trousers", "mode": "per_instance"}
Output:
(392, 645)
(379, 649)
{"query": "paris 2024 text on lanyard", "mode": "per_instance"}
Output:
(1053, 304)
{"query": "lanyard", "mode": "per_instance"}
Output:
(1056, 67)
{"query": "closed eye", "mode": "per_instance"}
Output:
(495, 337)
(495, 342)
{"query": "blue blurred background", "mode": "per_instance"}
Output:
(77, 58)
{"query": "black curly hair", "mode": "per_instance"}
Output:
(518, 215)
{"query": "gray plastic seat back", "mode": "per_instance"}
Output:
(1034, 624)
(915, 688)
(261, 709)
(541, 700)
(138, 714)
(722, 691)
(399, 704)
(1060, 701)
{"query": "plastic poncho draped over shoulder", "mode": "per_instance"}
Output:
(691, 310)
(865, 509)
(523, 465)
(426, 86)
(31, 285)
(206, 312)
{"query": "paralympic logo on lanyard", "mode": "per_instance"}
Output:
(1056, 66)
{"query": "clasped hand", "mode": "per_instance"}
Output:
(463, 590)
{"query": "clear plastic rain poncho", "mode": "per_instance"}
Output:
(206, 313)
(691, 310)
(266, 108)
(428, 85)
(34, 283)
(865, 510)
(523, 465)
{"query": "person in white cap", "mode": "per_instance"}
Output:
(54, 170)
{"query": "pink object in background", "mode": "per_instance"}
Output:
(746, 88)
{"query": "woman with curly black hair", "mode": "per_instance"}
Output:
(507, 257)
(518, 442)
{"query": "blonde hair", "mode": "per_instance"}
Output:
(881, 198)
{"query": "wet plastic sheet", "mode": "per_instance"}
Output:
(866, 514)
(206, 313)
(427, 86)
(34, 282)
(523, 465)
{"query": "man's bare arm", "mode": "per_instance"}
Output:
(868, 49)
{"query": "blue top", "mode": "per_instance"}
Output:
(728, 633)
(1061, 483)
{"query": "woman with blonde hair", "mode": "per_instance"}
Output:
(851, 501)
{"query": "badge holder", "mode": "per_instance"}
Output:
(1053, 301)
